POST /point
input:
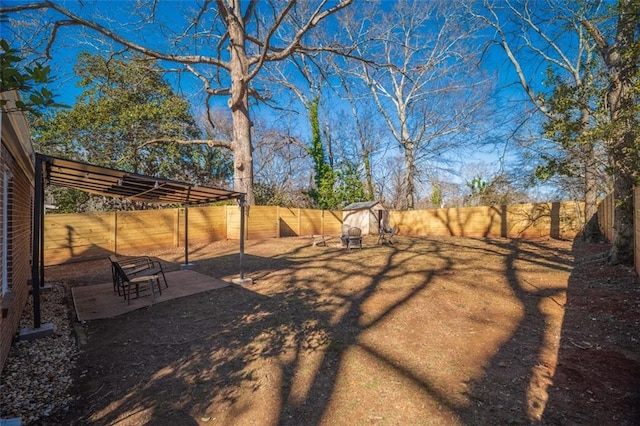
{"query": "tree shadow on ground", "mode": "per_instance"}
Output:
(520, 368)
(201, 351)
(583, 370)
(387, 334)
(597, 379)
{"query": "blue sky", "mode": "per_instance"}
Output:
(113, 14)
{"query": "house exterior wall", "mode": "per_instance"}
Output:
(16, 216)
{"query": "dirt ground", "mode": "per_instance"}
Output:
(446, 331)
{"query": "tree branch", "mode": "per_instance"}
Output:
(283, 53)
(267, 40)
(210, 142)
(595, 33)
(186, 59)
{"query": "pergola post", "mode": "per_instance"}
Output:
(186, 264)
(37, 266)
(242, 279)
(38, 209)
(186, 234)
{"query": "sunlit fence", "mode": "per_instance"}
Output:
(73, 236)
(556, 220)
(69, 236)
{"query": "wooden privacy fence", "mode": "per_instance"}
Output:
(93, 235)
(605, 216)
(556, 220)
(606, 222)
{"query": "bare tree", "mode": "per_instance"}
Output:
(367, 136)
(282, 167)
(224, 43)
(550, 33)
(427, 87)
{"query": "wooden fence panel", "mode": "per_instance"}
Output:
(289, 221)
(558, 220)
(414, 222)
(310, 222)
(332, 222)
(605, 217)
(146, 230)
(72, 235)
(532, 220)
(262, 222)
(469, 222)
(572, 217)
(206, 225)
(233, 222)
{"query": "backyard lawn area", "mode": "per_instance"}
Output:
(446, 331)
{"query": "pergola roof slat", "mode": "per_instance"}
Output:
(120, 184)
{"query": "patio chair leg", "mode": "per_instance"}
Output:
(153, 290)
(152, 282)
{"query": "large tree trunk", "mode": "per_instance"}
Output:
(620, 101)
(622, 249)
(239, 104)
(590, 230)
(620, 58)
(366, 158)
(409, 173)
(242, 152)
(622, 65)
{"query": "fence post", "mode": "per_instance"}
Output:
(114, 244)
(278, 221)
(176, 228)
(226, 221)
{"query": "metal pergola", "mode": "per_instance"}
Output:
(119, 184)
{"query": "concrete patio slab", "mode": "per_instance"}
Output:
(100, 301)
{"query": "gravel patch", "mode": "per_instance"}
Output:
(37, 376)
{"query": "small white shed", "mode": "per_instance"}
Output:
(369, 216)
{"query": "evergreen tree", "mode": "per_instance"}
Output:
(122, 119)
